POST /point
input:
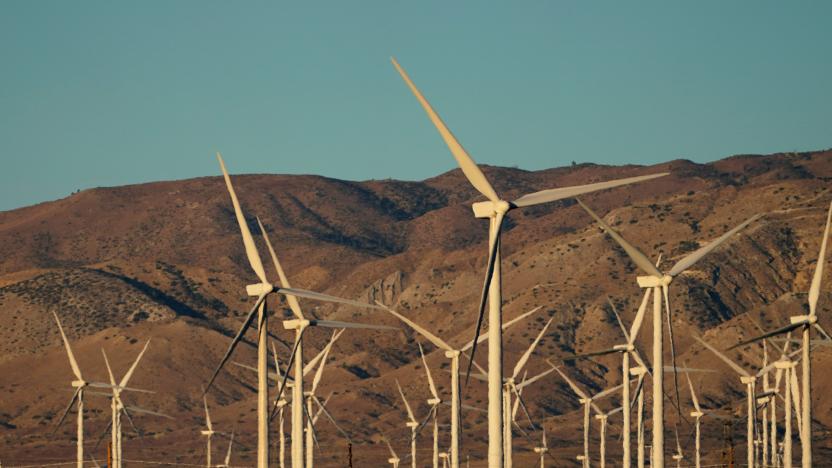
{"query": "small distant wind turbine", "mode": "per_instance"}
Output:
(433, 402)
(453, 354)
(805, 323)
(411, 423)
(602, 426)
(495, 210)
(678, 456)
(588, 403)
(79, 384)
(696, 414)
(394, 459)
(311, 398)
(208, 432)
(227, 463)
(542, 449)
(660, 283)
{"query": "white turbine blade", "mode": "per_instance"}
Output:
(534, 379)
(814, 289)
(288, 366)
(635, 255)
(689, 260)
(678, 445)
(207, 414)
(489, 272)
(525, 357)
(284, 281)
(427, 371)
(247, 323)
(392, 452)
(693, 394)
(343, 325)
(618, 319)
(228, 454)
(687, 370)
(787, 329)
(724, 358)
(248, 240)
(314, 361)
(572, 385)
(639, 319)
(68, 407)
(406, 404)
(129, 373)
(607, 392)
(144, 411)
(320, 372)
(545, 196)
(272, 375)
(796, 399)
(109, 371)
(274, 357)
(672, 348)
(639, 389)
(466, 163)
(590, 354)
(322, 297)
(72, 362)
(438, 342)
(484, 336)
(614, 411)
(822, 331)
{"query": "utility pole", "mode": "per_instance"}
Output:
(728, 444)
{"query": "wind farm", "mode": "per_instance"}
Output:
(474, 309)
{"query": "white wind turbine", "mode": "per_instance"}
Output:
(79, 384)
(588, 403)
(696, 414)
(495, 210)
(412, 424)
(805, 323)
(394, 459)
(603, 418)
(208, 432)
(311, 398)
(660, 283)
(118, 405)
(678, 456)
(453, 354)
(433, 402)
(542, 449)
(263, 289)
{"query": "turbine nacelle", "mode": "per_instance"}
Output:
(434, 401)
(624, 348)
(78, 384)
(490, 209)
(747, 380)
(601, 417)
(803, 319)
(296, 324)
(259, 289)
(638, 371)
(452, 354)
(207, 433)
(696, 414)
(413, 424)
(784, 365)
(654, 281)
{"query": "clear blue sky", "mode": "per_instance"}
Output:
(109, 93)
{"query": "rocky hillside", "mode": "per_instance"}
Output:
(164, 261)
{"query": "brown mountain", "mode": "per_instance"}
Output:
(165, 261)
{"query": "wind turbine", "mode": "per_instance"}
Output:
(434, 401)
(696, 414)
(262, 290)
(208, 432)
(311, 398)
(602, 426)
(453, 354)
(805, 323)
(587, 402)
(542, 449)
(678, 456)
(625, 350)
(412, 423)
(227, 463)
(394, 459)
(495, 210)
(118, 405)
(660, 283)
(510, 387)
(79, 384)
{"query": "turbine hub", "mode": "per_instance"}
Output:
(452, 354)
(434, 401)
(489, 209)
(259, 289)
(747, 380)
(295, 324)
(78, 384)
(413, 424)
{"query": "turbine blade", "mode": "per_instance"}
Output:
(427, 371)
(288, 366)
(697, 255)
(68, 407)
(639, 319)
(406, 404)
(822, 331)
(569, 381)
(733, 365)
(489, 271)
(635, 255)
(207, 414)
(126, 378)
(320, 372)
(311, 426)
(72, 362)
(284, 281)
(618, 319)
(314, 361)
(672, 349)
(331, 419)
(788, 328)
(109, 371)
(525, 409)
(339, 324)
(505, 326)
(525, 357)
(248, 240)
(534, 379)
(425, 420)
(545, 196)
(588, 355)
(130, 420)
(814, 289)
(322, 297)
(466, 163)
(392, 452)
(228, 454)
(145, 411)
(693, 394)
(607, 392)
(247, 323)
(438, 342)
(639, 389)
